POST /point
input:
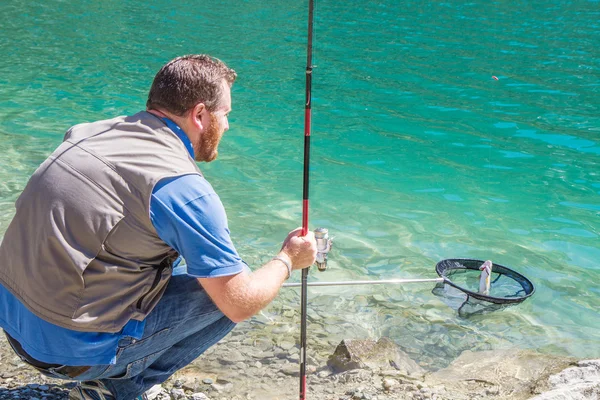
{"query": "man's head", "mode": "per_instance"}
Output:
(195, 91)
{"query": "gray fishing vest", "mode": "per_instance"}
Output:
(81, 251)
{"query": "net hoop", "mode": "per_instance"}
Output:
(443, 267)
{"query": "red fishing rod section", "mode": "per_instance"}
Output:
(307, 122)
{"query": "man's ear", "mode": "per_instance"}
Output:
(196, 115)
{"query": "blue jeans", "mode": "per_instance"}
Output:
(181, 327)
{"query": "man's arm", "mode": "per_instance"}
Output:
(241, 296)
(189, 216)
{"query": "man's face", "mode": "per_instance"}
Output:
(216, 123)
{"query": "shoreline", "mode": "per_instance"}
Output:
(248, 364)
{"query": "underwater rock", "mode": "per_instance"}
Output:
(370, 354)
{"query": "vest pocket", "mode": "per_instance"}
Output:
(157, 279)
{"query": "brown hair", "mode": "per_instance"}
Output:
(188, 80)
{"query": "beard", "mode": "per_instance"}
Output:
(208, 142)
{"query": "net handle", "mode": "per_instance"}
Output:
(354, 283)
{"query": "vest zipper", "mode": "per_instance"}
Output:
(154, 284)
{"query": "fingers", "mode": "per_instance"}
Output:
(296, 232)
(302, 250)
(310, 235)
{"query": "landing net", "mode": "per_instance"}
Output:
(461, 286)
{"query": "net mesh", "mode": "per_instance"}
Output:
(460, 288)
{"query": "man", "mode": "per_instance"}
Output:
(86, 266)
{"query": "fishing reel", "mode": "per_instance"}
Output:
(323, 246)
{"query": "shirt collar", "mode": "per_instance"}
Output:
(180, 134)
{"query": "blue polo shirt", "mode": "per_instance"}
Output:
(189, 216)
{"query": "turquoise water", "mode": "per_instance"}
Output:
(418, 154)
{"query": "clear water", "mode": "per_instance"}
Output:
(418, 154)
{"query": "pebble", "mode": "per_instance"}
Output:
(232, 358)
(388, 384)
(177, 383)
(287, 345)
(291, 370)
(178, 394)
(324, 374)
(222, 388)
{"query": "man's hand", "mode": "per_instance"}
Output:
(300, 250)
(241, 296)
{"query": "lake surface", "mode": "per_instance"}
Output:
(418, 153)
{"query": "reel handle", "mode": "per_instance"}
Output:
(323, 246)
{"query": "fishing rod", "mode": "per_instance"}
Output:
(307, 121)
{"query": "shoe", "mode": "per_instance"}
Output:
(95, 390)
(91, 390)
(152, 393)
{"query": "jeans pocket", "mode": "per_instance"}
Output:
(138, 366)
(130, 342)
(135, 355)
(56, 373)
(75, 373)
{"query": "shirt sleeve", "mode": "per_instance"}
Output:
(189, 216)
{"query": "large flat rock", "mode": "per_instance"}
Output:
(514, 374)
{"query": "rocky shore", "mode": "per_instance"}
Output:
(260, 358)
(243, 367)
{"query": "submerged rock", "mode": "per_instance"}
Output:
(515, 374)
(370, 354)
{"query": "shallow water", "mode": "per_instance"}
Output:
(418, 154)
